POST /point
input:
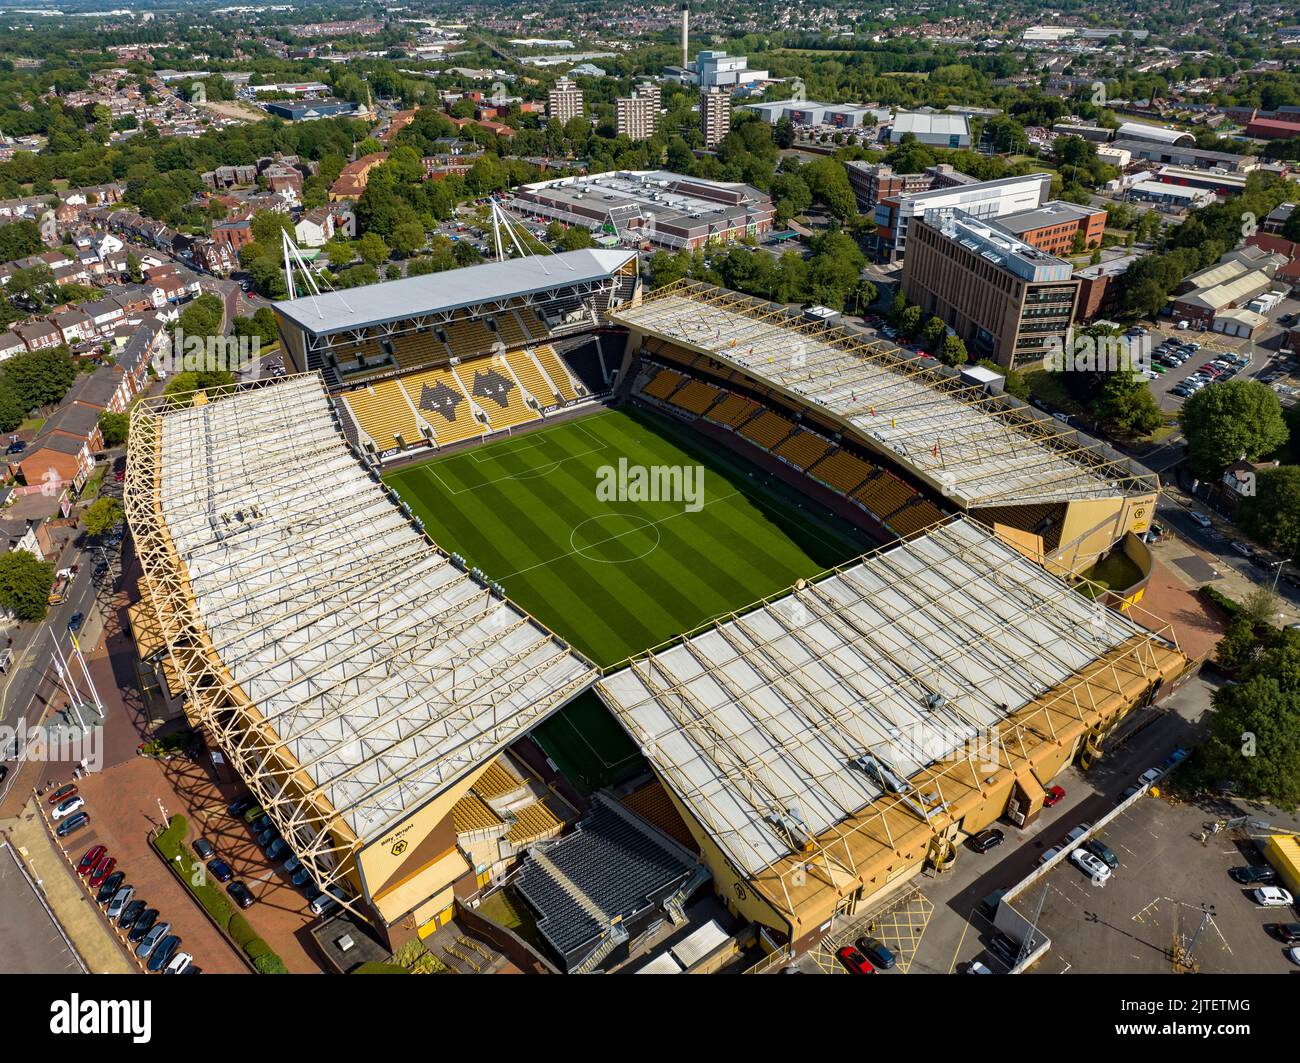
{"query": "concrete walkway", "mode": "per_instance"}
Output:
(71, 906)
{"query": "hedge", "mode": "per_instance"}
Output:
(1217, 597)
(375, 967)
(170, 844)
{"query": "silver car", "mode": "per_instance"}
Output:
(120, 900)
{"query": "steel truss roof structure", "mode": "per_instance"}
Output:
(348, 668)
(490, 286)
(801, 724)
(978, 449)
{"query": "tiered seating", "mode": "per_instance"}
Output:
(653, 805)
(468, 337)
(414, 349)
(532, 824)
(382, 411)
(556, 370)
(437, 394)
(732, 410)
(496, 393)
(663, 384)
(767, 429)
(883, 494)
(348, 350)
(530, 376)
(695, 397)
(843, 471)
(498, 780)
(510, 330)
(911, 519)
(803, 449)
(470, 815)
(532, 324)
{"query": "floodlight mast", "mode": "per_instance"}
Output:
(292, 256)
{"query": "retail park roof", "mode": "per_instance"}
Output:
(386, 671)
(777, 724)
(975, 448)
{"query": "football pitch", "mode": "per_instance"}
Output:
(613, 571)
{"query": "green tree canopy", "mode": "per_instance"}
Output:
(1225, 422)
(25, 584)
(101, 515)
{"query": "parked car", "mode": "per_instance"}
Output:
(178, 963)
(102, 870)
(144, 922)
(91, 860)
(1005, 947)
(301, 878)
(292, 866)
(74, 622)
(152, 937)
(1293, 954)
(1244, 549)
(1253, 876)
(1077, 833)
(119, 902)
(253, 812)
(241, 805)
(975, 967)
(1149, 776)
(1199, 517)
(163, 952)
(854, 962)
(267, 837)
(203, 849)
(1090, 865)
(1287, 933)
(220, 870)
(277, 850)
(130, 914)
(1049, 854)
(109, 887)
(66, 808)
(875, 952)
(1271, 897)
(261, 824)
(1055, 794)
(986, 840)
(240, 894)
(1102, 852)
(63, 793)
(72, 824)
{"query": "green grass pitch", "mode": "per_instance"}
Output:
(617, 577)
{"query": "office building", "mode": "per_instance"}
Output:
(1058, 228)
(1006, 299)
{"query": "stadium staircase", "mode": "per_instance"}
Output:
(675, 903)
(613, 937)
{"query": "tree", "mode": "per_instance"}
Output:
(180, 389)
(114, 427)
(25, 584)
(340, 252)
(40, 378)
(101, 515)
(952, 351)
(372, 249)
(910, 320)
(933, 333)
(1225, 422)
(408, 238)
(1272, 514)
(1126, 406)
(202, 317)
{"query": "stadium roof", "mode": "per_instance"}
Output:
(976, 449)
(385, 671)
(760, 722)
(377, 304)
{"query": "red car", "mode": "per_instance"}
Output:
(854, 962)
(1055, 794)
(102, 870)
(93, 856)
(63, 793)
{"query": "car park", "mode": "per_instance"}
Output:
(66, 808)
(986, 840)
(109, 887)
(876, 953)
(119, 902)
(130, 914)
(150, 940)
(1090, 865)
(72, 824)
(853, 961)
(1271, 897)
(91, 860)
(1055, 795)
(144, 922)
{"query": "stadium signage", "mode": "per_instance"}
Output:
(626, 482)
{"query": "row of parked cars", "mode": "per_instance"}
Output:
(277, 852)
(153, 942)
(1222, 368)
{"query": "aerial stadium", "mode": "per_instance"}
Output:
(451, 669)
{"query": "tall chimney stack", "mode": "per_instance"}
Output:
(686, 32)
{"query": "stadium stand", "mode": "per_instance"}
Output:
(915, 517)
(652, 804)
(555, 369)
(842, 471)
(441, 400)
(695, 396)
(510, 330)
(766, 429)
(496, 393)
(732, 411)
(468, 337)
(413, 349)
(884, 493)
(383, 412)
(663, 383)
(803, 449)
(614, 870)
(529, 373)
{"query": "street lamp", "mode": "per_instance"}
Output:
(1278, 571)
